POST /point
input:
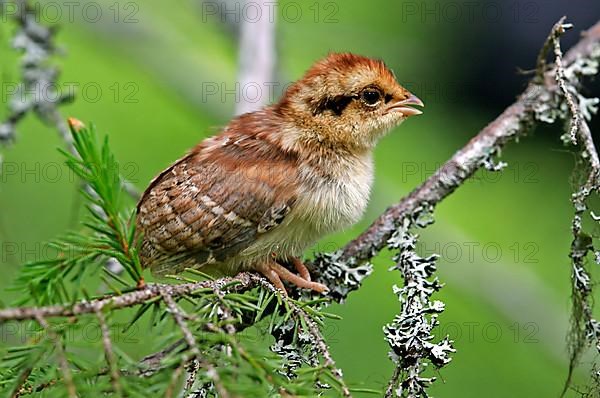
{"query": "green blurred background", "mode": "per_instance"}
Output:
(140, 75)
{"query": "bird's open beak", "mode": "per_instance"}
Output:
(404, 106)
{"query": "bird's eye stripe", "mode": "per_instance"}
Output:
(335, 105)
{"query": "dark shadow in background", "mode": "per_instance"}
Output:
(514, 40)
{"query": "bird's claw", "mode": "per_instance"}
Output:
(276, 272)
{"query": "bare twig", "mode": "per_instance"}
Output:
(62, 356)
(314, 330)
(557, 30)
(561, 80)
(109, 354)
(152, 363)
(553, 41)
(179, 317)
(189, 338)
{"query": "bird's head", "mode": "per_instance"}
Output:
(347, 100)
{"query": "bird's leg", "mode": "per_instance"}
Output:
(276, 272)
(301, 268)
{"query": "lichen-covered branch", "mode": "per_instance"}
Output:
(410, 334)
(561, 80)
(35, 93)
(585, 329)
(515, 121)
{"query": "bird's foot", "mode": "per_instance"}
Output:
(275, 272)
(301, 268)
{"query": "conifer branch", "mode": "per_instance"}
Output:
(133, 298)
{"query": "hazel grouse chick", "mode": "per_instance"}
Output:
(275, 181)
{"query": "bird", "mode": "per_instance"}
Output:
(273, 182)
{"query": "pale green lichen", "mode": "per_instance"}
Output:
(410, 334)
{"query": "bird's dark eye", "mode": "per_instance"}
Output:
(370, 96)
